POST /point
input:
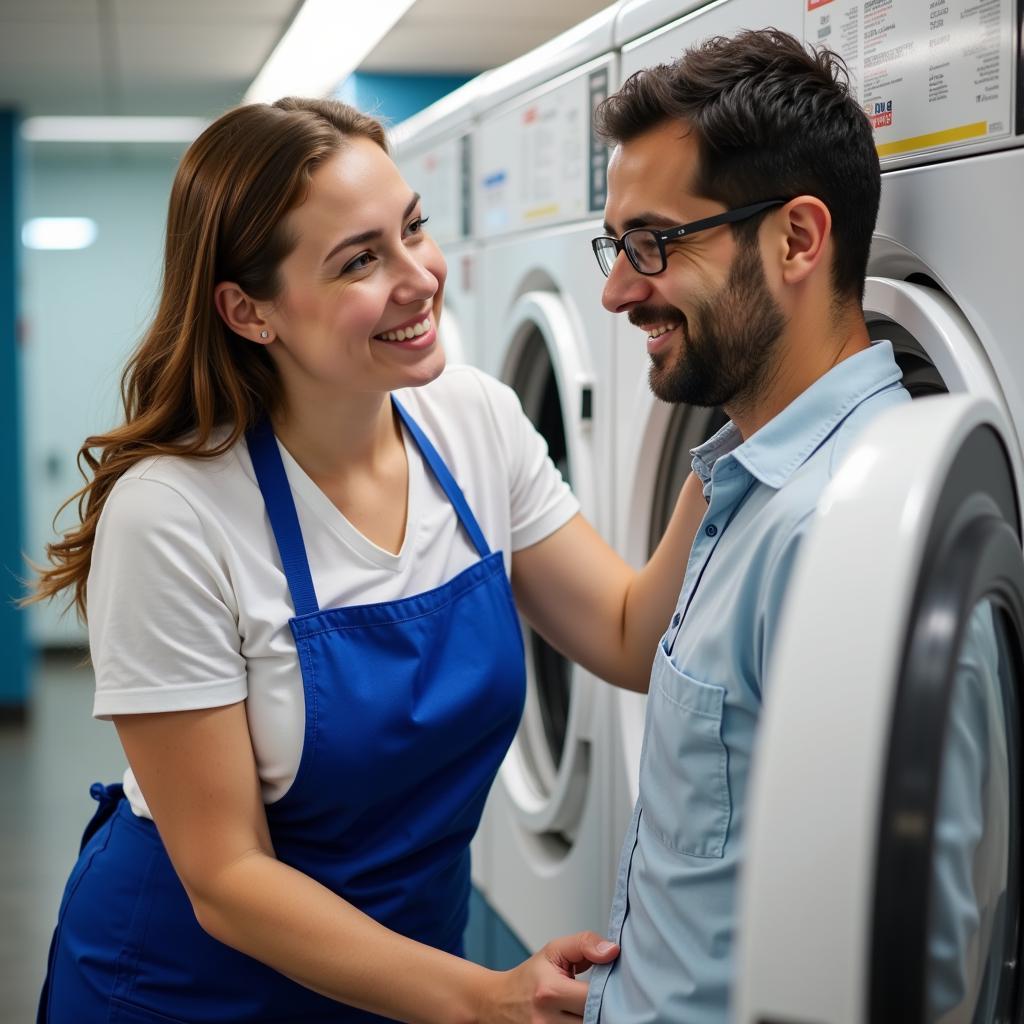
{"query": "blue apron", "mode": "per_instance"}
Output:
(410, 707)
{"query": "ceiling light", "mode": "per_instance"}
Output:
(58, 233)
(111, 129)
(324, 44)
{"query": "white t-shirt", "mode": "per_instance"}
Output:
(188, 603)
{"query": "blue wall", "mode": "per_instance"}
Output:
(14, 672)
(396, 97)
(84, 311)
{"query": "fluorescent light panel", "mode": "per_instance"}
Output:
(58, 233)
(324, 44)
(111, 129)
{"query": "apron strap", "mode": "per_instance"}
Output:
(284, 520)
(446, 480)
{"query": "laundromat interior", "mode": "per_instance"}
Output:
(489, 113)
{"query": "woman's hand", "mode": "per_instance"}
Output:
(544, 988)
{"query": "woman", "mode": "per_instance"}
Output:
(301, 626)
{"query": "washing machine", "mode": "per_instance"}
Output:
(539, 200)
(882, 877)
(855, 791)
(433, 150)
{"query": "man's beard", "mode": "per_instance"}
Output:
(727, 358)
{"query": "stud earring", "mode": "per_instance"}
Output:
(264, 334)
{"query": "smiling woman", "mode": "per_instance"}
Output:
(342, 291)
(301, 626)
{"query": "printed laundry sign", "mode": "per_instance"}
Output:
(930, 74)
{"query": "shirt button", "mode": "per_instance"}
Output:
(711, 530)
(676, 619)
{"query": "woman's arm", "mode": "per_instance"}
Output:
(198, 774)
(584, 599)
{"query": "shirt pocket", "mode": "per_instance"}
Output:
(684, 777)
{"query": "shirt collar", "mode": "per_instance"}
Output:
(786, 442)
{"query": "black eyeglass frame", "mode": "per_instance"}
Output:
(663, 235)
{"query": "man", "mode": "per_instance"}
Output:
(742, 194)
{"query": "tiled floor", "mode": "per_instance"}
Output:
(46, 768)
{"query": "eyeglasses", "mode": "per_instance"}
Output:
(645, 247)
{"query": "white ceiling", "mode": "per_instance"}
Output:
(197, 57)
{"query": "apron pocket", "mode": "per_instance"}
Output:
(684, 781)
(125, 1013)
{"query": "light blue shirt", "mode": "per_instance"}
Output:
(673, 911)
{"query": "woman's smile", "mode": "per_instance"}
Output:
(417, 333)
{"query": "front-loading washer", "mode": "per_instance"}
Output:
(539, 197)
(882, 879)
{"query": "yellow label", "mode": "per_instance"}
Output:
(932, 139)
(542, 211)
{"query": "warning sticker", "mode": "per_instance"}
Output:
(930, 74)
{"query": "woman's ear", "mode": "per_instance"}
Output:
(241, 313)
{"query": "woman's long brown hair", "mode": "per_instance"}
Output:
(191, 373)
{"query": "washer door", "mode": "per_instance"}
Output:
(548, 768)
(882, 871)
(934, 344)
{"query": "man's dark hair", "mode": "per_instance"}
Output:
(772, 120)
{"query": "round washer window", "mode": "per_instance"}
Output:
(534, 381)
